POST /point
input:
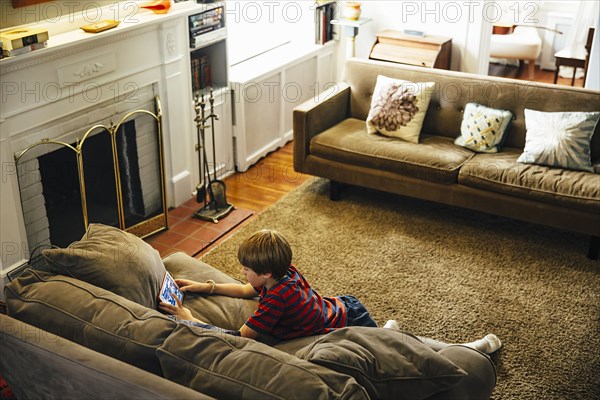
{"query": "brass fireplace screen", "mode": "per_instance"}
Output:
(114, 175)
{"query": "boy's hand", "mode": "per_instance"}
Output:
(178, 310)
(186, 285)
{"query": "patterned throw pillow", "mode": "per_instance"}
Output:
(398, 108)
(483, 129)
(559, 139)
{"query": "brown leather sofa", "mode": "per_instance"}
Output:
(65, 338)
(331, 141)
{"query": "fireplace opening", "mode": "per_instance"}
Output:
(60, 183)
(60, 188)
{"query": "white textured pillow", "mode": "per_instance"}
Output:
(483, 128)
(398, 108)
(559, 139)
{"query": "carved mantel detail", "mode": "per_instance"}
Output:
(89, 70)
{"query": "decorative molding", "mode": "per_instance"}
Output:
(61, 51)
(86, 69)
(89, 70)
(171, 44)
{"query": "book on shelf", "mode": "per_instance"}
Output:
(19, 38)
(24, 49)
(195, 74)
(21, 41)
(206, 21)
(205, 73)
(324, 14)
(201, 72)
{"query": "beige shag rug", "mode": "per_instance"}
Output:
(453, 275)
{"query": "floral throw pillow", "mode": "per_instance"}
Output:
(483, 129)
(559, 139)
(398, 108)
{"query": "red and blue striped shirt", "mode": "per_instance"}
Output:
(291, 309)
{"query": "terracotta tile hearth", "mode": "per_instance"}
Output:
(192, 235)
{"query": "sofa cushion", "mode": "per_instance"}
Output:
(90, 316)
(435, 158)
(483, 129)
(112, 259)
(222, 311)
(388, 363)
(559, 139)
(232, 367)
(398, 108)
(502, 173)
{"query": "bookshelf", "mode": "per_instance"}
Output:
(209, 70)
(325, 12)
(208, 49)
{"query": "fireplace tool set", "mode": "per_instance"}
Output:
(211, 192)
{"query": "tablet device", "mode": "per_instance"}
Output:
(169, 286)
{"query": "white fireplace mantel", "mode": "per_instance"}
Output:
(80, 72)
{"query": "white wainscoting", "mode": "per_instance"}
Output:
(266, 90)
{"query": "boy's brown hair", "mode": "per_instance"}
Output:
(266, 251)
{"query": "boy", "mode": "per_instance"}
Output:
(288, 307)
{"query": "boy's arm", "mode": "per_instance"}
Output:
(243, 291)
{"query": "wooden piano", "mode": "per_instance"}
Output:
(426, 51)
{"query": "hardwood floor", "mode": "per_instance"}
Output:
(540, 75)
(266, 182)
(261, 186)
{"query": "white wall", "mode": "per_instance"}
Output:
(439, 18)
(257, 26)
(50, 11)
(460, 20)
(467, 22)
(593, 75)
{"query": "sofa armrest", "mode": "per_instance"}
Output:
(316, 115)
(481, 374)
(37, 364)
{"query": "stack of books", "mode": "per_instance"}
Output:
(201, 74)
(21, 41)
(204, 22)
(324, 14)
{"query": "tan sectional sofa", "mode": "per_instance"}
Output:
(331, 141)
(78, 334)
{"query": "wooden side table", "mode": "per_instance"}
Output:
(425, 51)
(351, 31)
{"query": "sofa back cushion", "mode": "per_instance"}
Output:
(112, 259)
(232, 367)
(453, 90)
(90, 316)
(388, 363)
